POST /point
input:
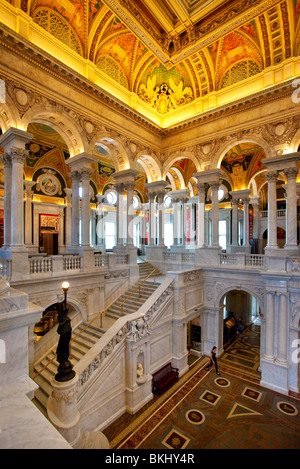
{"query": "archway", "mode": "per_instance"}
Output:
(241, 349)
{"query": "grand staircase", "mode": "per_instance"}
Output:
(46, 368)
(79, 347)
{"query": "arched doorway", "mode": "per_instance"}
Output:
(241, 349)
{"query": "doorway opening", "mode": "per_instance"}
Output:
(241, 346)
(194, 340)
(48, 239)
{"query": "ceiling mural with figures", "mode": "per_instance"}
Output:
(170, 53)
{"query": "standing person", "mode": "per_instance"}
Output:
(213, 360)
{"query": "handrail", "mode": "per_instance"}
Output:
(46, 366)
(145, 262)
(138, 287)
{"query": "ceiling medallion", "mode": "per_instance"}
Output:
(164, 98)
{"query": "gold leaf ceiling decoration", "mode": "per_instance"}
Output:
(172, 52)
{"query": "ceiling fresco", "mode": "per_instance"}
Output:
(170, 53)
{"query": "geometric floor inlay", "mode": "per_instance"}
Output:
(222, 382)
(175, 440)
(252, 394)
(287, 408)
(195, 417)
(239, 410)
(210, 397)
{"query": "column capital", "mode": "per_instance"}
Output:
(129, 186)
(14, 138)
(28, 187)
(14, 155)
(81, 161)
(271, 175)
(291, 173)
(85, 173)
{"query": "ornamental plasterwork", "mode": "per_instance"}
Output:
(48, 183)
(116, 274)
(192, 276)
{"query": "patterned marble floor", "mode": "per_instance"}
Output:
(206, 411)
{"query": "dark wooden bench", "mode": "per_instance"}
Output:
(164, 377)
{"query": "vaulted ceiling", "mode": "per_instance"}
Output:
(171, 52)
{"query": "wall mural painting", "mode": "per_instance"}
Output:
(234, 49)
(73, 11)
(251, 30)
(241, 163)
(36, 151)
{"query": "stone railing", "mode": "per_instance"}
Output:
(280, 213)
(47, 266)
(40, 265)
(101, 260)
(121, 259)
(180, 257)
(243, 260)
(132, 327)
(5, 268)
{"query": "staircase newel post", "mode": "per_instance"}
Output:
(62, 409)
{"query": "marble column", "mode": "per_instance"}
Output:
(254, 201)
(28, 213)
(17, 210)
(75, 216)
(85, 175)
(282, 328)
(161, 214)
(272, 210)
(81, 166)
(234, 230)
(129, 186)
(13, 141)
(151, 198)
(246, 201)
(120, 214)
(215, 214)
(291, 208)
(201, 215)
(68, 217)
(7, 200)
(176, 222)
(269, 348)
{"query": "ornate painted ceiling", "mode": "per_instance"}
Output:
(173, 52)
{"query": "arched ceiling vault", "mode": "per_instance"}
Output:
(171, 53)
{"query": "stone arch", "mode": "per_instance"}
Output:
(177, 156)
(68, 129)
(9, 116)
(256, 292)
(151, 166)
(71, 300)
(114, 147)
(295, 143)
(217, 160)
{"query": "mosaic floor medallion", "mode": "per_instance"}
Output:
(222, 382)
(287, 408)
(252, 394)
(195, 417)
(175, 440)
(210, 397)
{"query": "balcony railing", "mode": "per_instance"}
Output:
(280, 213)
(243, 260)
